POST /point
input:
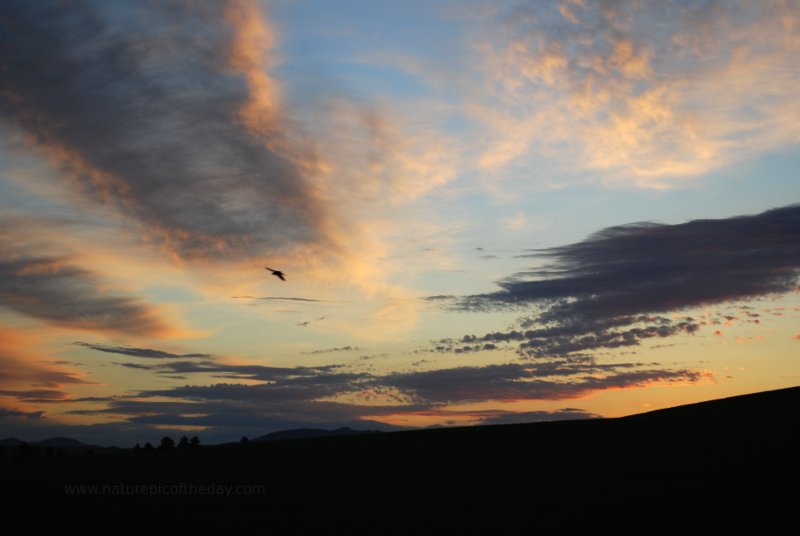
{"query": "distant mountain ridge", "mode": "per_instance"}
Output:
(779, 406)
(55, 442)
(307, 433)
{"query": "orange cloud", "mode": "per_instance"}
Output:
(251, 53)
(28, 377)
(53, 289)
(658, 97)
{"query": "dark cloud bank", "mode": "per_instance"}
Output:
(615, 288)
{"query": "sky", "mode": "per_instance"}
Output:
(486, 212)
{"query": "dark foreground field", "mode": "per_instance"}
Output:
(729, 465)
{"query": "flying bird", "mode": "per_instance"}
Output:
(276, 273)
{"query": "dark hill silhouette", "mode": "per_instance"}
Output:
(61, 442)
(777, 404)
(55, 442)
(307, 433)
(725, 466)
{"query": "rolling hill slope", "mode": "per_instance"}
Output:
(727, 465)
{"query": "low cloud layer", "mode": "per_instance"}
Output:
(515, 381)
(334, 393)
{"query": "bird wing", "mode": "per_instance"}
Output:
(280, 276)
(268, 268)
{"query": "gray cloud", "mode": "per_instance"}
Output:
(273, 375)
(136, 366)
(514, 381)
(53, 290)
(37, 395)
(331, 395)
(648, 267)
(604, 292)
(554, 379)
(7, 414)
(281, 299)
(139, 352)
(14, 370)
(508, 417)
(333, 350)
(304, 399)
(148, 117)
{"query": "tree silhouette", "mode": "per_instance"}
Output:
(137, 448)
(26, 451)
(148, 446)
(194, 442)
(166, 443)
(244, 440)
(183, 443)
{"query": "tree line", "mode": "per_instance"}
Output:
(167, 443)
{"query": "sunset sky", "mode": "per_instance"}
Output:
(486, 212)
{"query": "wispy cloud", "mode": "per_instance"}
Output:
(333, 350)
(139, 352)
(280, 299)
(333, 392)
(178, 132)
(27, 379)
(7, 414)
(40, 396)
(515, 381)
(55, 290)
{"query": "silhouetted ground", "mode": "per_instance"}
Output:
(727, 466)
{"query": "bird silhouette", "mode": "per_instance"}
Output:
(276, 273)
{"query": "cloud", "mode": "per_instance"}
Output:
(515, 381)
(648, 267)
(6, 414)
(566, 338)
(510, 417)
(280, 299)
(39, 396)
(639, 92)
(329, 378)
(607, 290)
(363, 392)
(53, 289)
(332, 350)
(139, 352)
(137, 366)
(167, 112)
(266, 398)
(21, 364)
